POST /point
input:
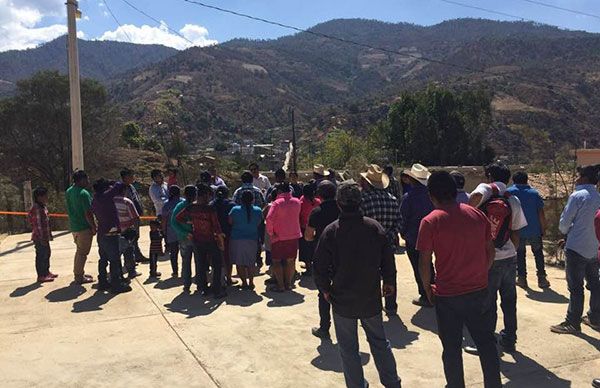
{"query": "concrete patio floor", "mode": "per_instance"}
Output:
(64, 335)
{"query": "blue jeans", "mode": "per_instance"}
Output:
(502, 279)
(470, 310)
(187, 249)
(578, 269)
(108, 249)
(346, 330)
(538, 253)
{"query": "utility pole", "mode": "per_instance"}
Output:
(76, 132)
(294, 152)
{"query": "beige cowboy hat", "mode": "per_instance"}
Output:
(376, 177)
(320, 169)
(419, 173)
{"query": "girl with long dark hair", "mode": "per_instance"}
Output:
(245, 220)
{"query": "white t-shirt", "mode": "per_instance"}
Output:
(262, 182)
(518, 217)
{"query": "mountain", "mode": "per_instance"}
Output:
(543, 80)
(100, 60)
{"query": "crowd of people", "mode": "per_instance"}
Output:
(465, 249)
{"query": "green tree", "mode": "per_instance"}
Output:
(342, 148)
(35, 129)
(437, 126)
(132, 135)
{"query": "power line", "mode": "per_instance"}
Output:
(159, 22)
(562, 8)
(117, 21)
(364, 45)
(484, 9)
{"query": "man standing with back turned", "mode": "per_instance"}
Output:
(352, 257)
(533, 208)
(81, 223)
(461, 238)
(581, 250)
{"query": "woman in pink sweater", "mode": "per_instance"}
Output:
(283, 227)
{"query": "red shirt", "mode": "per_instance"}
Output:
(306, 207)
(597, 227)
(458, 236)
(40, 223)
(205, 223)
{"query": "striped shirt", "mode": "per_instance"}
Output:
(127, 213)
(259, 199)
(40, 223)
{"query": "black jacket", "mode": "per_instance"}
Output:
(352, 256)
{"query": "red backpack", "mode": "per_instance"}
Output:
(498, 210)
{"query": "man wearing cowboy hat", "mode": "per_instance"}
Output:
(415, 205)
(320, 173)
(383, 207)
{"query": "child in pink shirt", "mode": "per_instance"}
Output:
(283, 227)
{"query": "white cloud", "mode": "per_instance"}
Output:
(18, 23)
(48, 7)
(145, 34)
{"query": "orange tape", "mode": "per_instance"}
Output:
(60, 215)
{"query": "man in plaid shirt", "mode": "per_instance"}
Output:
(247, 185)
(383, 207)
(41, 234)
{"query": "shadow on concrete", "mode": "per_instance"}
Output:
(26, 244)
(193, 305)
(307, 282)
(398, 334)
(425, 319)
(547, 295)
(526, 372)
(24, 290)
(283, 299)
(168, 283)
(151, 281)
(93, 303)
(244, 298)
(595, 342)
(65, 294)
(329, 357)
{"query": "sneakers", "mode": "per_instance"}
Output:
(142, 259)
(120, 289)
(320, 333)
(565, 328)
(507, 346)
(103, 286)
(45, 279)
(85, 279)
(587, 321)
(522, 282)
(421, 301)
(543, 282)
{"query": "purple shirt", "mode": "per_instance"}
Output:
(104, 209)
(415, 206)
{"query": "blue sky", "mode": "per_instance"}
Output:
(26, 23)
